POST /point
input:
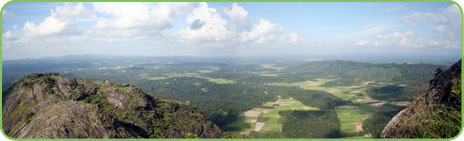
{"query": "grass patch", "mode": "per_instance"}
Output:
(209, 70)
(205, 71)
(269, 74)
(156, 78)
(166, 76)
(272, 66)
(350, 117)
(220, 80)
(273, 122)
(350, 93)
(311, 124)
(174, 75)
(442, 123)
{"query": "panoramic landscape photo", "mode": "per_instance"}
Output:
(231, 70)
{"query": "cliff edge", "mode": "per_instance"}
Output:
(51, 106)
(434, 114)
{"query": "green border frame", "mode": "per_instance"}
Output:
(233, 139)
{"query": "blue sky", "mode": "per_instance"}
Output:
(33, 30)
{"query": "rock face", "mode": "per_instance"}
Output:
(436, 113)
(51, 106)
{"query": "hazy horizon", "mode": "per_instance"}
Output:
(235, 30)
(364, 59)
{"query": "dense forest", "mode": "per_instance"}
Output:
(225, 90)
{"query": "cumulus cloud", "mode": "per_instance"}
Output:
(265, 31)
(60, 27)
(49, 26)
(239, 16)
(213, 28)
(6, 35)
(202, 26)
(208, 27)
(446, 22)
(137, 20)
(5, 39)
(72, 13)
(133, 15)
(60, 21)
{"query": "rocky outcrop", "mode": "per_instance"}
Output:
(436, 113)
(51, 106)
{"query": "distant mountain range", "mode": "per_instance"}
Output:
(359, 57)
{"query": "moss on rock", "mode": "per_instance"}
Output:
(50, 106)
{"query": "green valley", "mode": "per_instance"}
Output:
(272, 98)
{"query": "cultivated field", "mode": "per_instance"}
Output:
(267, 118)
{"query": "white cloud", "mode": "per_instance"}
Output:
(405, 39)
(362, 43)
(130, 15)
(7, 38)
(139, 15)
(137, 20)
(415, 17)
(239, 16)
(446, 25)
(72, 13)
(294, 37)
(6, 35)
(49, 26)
(368, 30)
(438, 28)
(60, 21)
(450, 14)
(208, 27)
(396, 39)
(57, 29)
(265, 31)
(214, 28)
(161, 22)
(446, 22)
(262, 32)
(395, 35)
